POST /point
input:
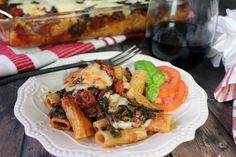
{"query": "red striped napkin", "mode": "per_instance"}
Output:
(15, 60)
(225, 46)
(226, 91)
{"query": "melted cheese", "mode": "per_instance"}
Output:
(45, 6)
(122, 125)
(115, 100)
(92, 76)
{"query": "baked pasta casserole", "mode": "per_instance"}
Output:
(39, 22)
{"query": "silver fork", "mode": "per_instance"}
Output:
(123, 56)
(118, 59)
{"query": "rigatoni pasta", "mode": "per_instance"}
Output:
(81, 125)
(105, 139)
(138, 80)
(119, 72)
(99, 124)
(60, 123)
(51, 99)
(132, 94)
(161, 123)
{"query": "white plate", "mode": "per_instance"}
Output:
(32, 113)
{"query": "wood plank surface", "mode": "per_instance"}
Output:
(211, 141)
(32, 148)
(11, 131)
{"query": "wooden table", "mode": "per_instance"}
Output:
(213, 139)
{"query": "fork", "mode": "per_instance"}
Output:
(118, 59)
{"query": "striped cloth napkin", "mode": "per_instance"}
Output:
(16, 60)
(226, 51)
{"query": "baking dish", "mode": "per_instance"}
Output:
(92, 22)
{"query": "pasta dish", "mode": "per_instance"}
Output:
(115, 106)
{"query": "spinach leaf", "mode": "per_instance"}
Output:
(104, 104)
(61, 92)
(53, 10)
(57, 111)
(114, 132)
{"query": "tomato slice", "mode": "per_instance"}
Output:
(173, 101)
(172, 81)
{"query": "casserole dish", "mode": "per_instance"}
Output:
(43, 22)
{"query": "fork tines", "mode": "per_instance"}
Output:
(126, 55)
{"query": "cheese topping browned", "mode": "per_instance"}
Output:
(41, 7)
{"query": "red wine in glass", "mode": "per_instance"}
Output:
(182, 43)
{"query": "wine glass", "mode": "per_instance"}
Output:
(181, 31)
